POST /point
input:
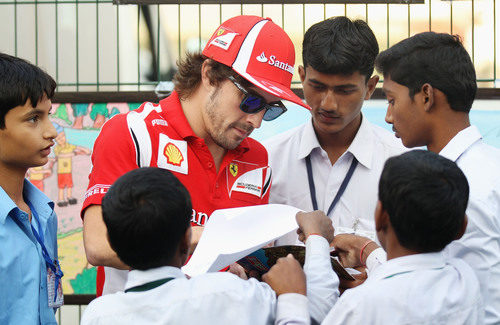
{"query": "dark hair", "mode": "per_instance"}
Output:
(188, 75)
(20, 81)
(147, 211)
(340, 46)
(425, 196)
(437, 59)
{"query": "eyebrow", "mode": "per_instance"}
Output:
(344, 86)
(34, 111)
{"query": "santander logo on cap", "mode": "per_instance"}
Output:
(262, 58)
(275, 62)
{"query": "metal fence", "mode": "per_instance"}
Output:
(96, 45)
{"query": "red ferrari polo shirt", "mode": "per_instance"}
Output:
(159, 135)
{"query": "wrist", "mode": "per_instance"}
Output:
(311, 234)
(366, 250)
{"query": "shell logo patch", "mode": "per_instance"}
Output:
(173, 154)
(233, 169)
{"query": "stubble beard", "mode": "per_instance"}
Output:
(218, 129)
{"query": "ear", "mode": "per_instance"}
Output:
(461, 231)
(381, 218)
(427, 96)
(184, 245)
(371, 84)
(302, 74)
(205, 80)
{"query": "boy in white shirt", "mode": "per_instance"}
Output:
(421, 209)
(430, 84)
(147, 213)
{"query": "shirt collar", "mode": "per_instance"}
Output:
(409, 263)
(308, 141)
(361, 147)
(172, 112)
(44, 206)
(460, 143)
(137, 277)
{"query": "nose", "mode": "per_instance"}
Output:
(388, 115)
(50, 131)
(329, 102)
(255, 120)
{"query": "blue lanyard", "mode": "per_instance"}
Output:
(345, 182)
(52, 264)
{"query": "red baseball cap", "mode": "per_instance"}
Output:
(258, 50)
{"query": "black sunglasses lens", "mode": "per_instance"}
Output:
(273, 112)
(251, 104)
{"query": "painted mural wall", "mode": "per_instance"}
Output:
(64, 179)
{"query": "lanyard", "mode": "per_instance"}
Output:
(52, 264)
(342, 187)
(149, 285)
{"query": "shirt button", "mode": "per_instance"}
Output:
(210, 165)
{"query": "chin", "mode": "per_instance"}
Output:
(409, 144)
(228, 144)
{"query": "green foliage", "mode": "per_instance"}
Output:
(62, 113)
(84, 283)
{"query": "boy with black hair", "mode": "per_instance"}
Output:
(421, 209)
(338, 149)
(147, 213)
(430, 83)
(30, 276)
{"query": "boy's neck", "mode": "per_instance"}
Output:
(393, 247)
(12, 182)
(336, 144)
(446, 129)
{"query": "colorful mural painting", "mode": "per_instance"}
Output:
(64, 179)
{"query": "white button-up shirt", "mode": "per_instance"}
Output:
(216, 298)
(371, 146)
(413, 289)
(480, 245)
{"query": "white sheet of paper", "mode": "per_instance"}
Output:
(231, 234)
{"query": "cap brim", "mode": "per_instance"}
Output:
(276, 89)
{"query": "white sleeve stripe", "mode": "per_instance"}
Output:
(140, 135)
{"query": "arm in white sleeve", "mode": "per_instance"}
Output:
(322, 281)
(375, 259)
(292, 310)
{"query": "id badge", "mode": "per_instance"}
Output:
(56, 298)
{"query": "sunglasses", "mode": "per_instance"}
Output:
(253, 103)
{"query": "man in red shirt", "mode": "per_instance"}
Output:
(200, 132)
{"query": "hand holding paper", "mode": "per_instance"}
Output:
(315, 222)
(286, 276)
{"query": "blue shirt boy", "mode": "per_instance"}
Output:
(23, 270)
